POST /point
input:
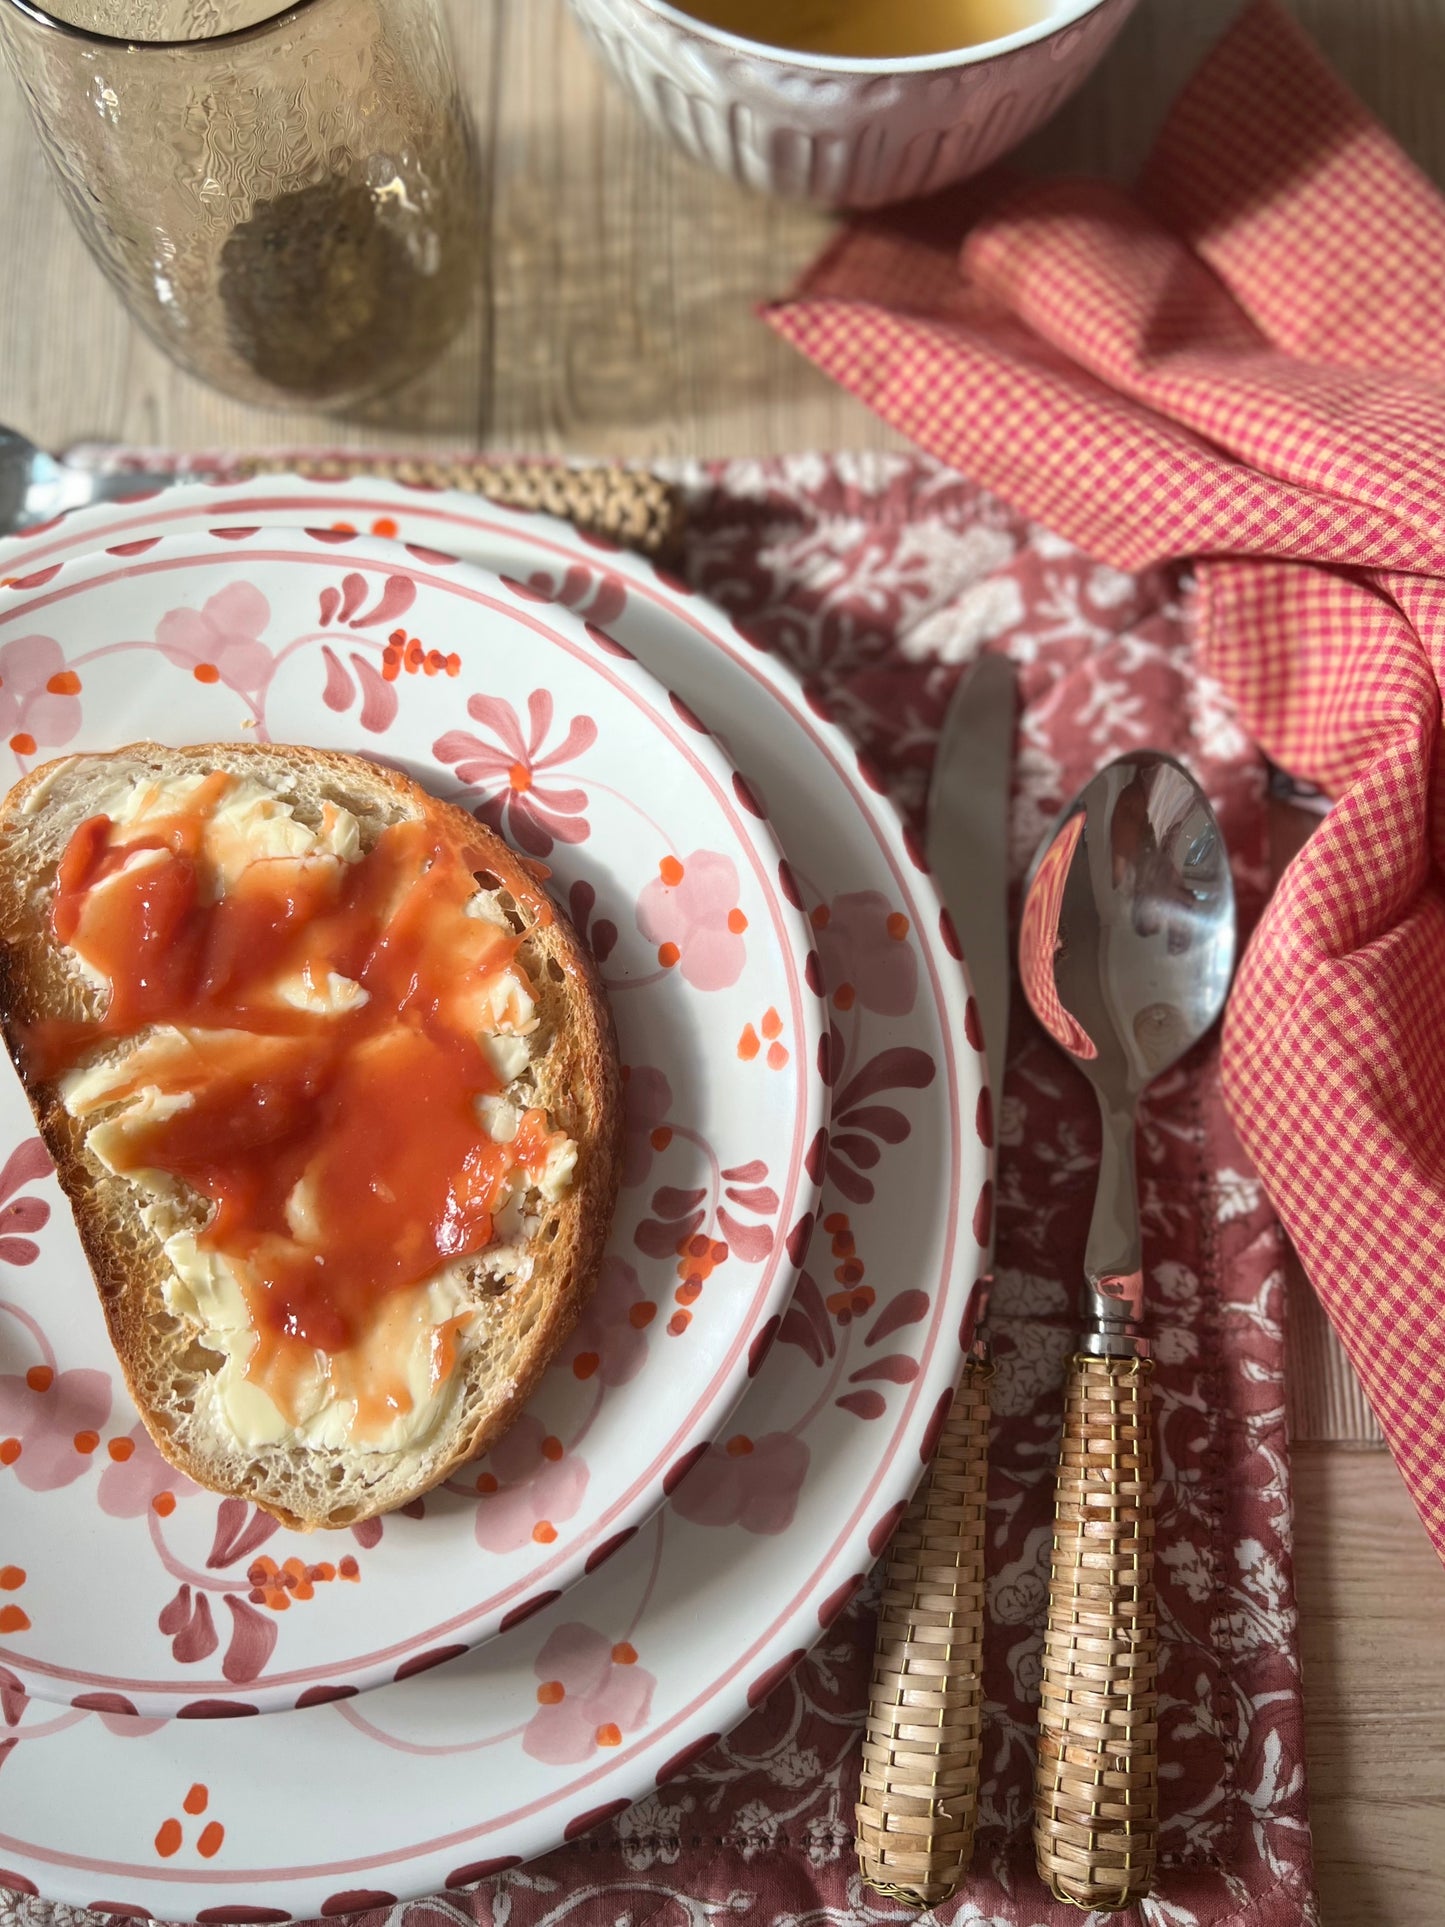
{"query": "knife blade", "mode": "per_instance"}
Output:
(966, 842)
(918, 1785)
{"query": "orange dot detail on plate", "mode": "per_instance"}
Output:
(544, 1532)
(739, 1445)
(485, 1482)
(9, 1451)
(520, 778)
(23, 743)
(343, 528)
(679, 1322)
(86, 1441)
(777, 1057)
(671, 872)
(836, 1221)
(897, 926)
(209, 1844)
(552, 1449)
(748, 1044)
(121, 1449)
(585, 1364)
(206, 672)
(384, 526)
(737, 922)
(11, 1578)
(689, 1293)
(661, 1138)
(197, 1800)
(642, 1315)
(609, 1735)
(64, 682)
(551, 1693)
(40, 1378)
(845, 996)
(819, 916)
(772, 1023)
(14, 1619)
(164, 1503)
(168, 1838)
(348, 1568)
(624, 1653)
(667, 955)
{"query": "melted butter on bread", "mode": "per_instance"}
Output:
(390, 1388)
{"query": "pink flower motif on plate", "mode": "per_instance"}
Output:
(593, 1695)
(690, 911)
(39, 695)
(524, 804)
(221, 641)
(648, 1099)
(132, 1485)
(610, 1342)
(50, 1424)
(19, 1216)
(867, 958)
(752, 1483)
(529, 1483)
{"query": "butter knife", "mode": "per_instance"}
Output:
(918, 1795)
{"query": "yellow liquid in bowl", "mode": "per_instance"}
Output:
(870, 29)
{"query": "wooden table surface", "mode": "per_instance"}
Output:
(616, 318)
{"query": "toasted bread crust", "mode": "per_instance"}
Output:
(576, 1076)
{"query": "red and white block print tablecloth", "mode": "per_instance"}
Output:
(879, 579)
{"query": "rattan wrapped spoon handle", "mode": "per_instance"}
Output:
(1096, 1800)
(918, 1798)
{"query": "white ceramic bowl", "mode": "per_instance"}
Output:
(846, 133)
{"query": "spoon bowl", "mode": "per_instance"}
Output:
(1126, 947)
(1127, 942)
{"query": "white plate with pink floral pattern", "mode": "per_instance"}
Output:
(606, 1692)
(126, 1585)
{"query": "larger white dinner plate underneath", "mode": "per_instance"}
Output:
(589, 1702)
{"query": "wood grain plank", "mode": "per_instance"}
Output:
(1372, 1607)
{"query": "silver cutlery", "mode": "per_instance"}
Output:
(1126, 947)
(36, 487)
(919, 1793)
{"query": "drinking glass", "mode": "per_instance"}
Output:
(286, 200)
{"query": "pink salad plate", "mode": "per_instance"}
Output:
(126, 1587)
(599, 1695)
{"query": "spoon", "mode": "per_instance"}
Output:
(1125, 951)
(35, 487)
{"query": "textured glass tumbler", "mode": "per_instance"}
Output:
(289, 204)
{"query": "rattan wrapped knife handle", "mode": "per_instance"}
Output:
(626, 505)
(919, 1794)
(1097, 1796)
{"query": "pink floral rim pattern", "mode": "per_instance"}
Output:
(543, 1506)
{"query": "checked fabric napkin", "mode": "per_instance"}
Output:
(1244, 363)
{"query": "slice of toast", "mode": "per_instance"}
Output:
(512, 1304)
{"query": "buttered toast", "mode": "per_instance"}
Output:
(332, 1089)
